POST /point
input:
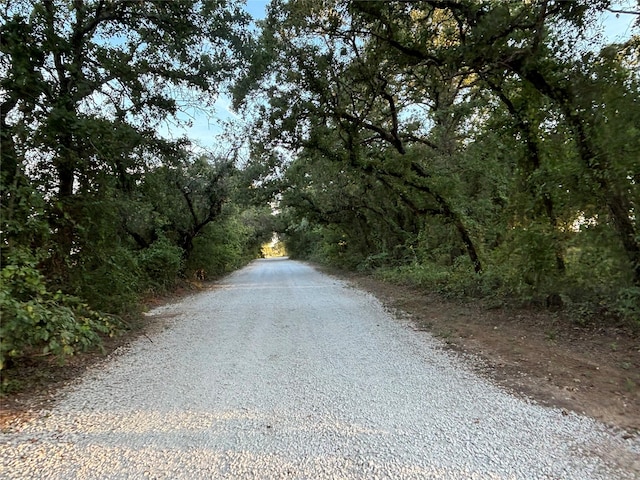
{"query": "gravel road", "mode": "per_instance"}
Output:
(282, 372)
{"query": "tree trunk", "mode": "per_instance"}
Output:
(534, 159)
(619, 207)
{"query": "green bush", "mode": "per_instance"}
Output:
(374, 262)
(221, 248)
(627, 305)
(36, 321)
(160, 264)
(428, 275)
(108, 279)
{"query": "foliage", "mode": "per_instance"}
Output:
(466, 147)
(273, 249)
(38, 321)
(161, 264)
(109, 280)
(627, 305)
(90, 188)
(229, 243)
(478, 148)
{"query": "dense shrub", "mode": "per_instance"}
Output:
(160, 264)
(627, 305)
(109, 280)
(222, 247)
(36, 321)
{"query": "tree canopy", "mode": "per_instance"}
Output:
(98, 207)
(483, 147)
(478, 148)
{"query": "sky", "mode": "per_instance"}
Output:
(205, 130)
(619, 27)
(206, 126)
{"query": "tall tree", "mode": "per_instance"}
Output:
(355, 84)
(74, 70)
(503, 38)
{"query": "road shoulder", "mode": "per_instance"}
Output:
(591, 370)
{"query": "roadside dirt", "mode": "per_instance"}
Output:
(592, 370)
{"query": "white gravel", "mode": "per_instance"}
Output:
(282, 372)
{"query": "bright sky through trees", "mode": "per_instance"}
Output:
(205, 129)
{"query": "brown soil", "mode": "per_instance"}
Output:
(590, 370)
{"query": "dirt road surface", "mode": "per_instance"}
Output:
(279, 371)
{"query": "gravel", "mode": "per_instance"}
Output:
(279, 371)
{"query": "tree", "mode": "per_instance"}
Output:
(479, 119)
(92, 66)
(87, 86)
(183, 198)
(358, 91)
(497, 38)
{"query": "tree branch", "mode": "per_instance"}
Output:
(623, 12)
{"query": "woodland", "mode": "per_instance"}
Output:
(478, 149)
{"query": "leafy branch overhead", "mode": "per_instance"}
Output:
(506, 130)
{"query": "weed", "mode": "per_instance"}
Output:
(10, 385)
(445, 334)
(629, 385)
